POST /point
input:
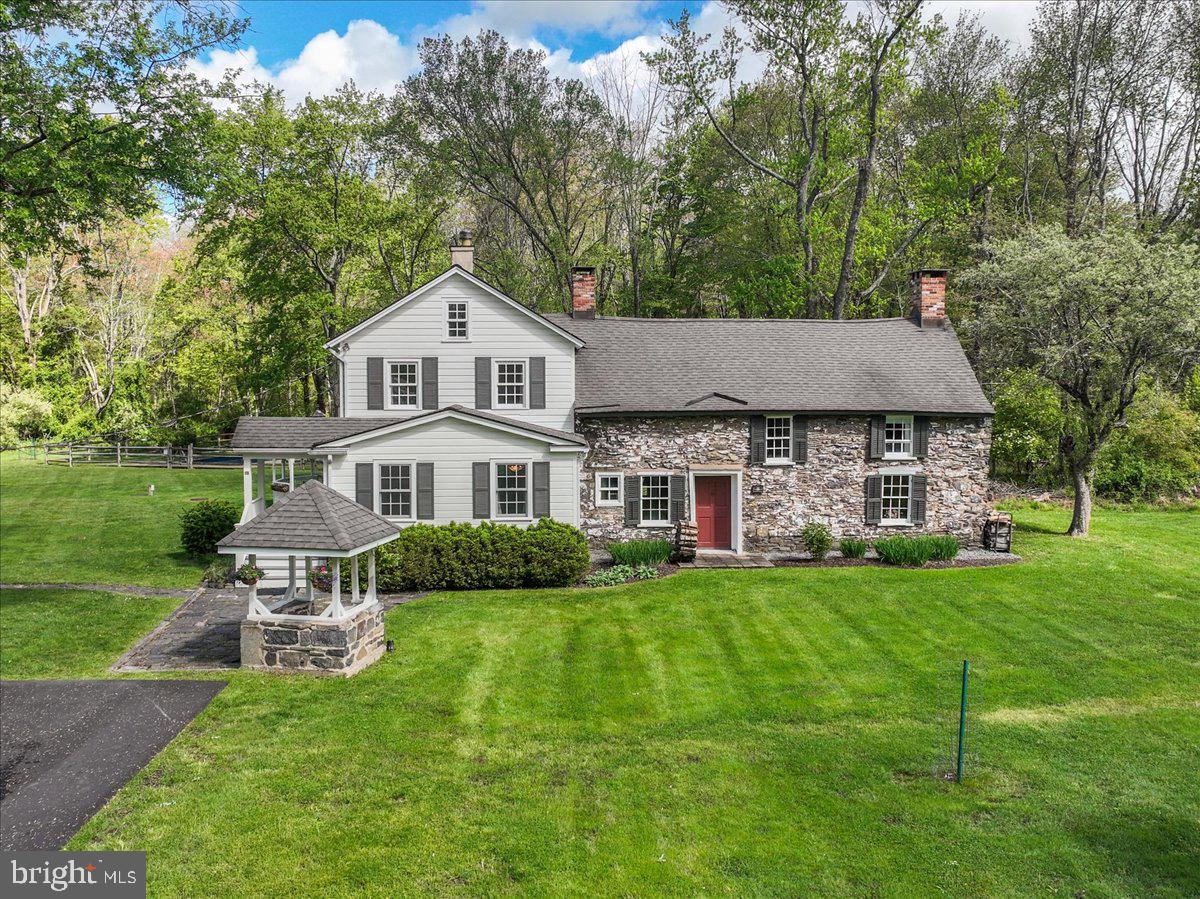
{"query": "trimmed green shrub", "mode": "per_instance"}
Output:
(640, 552)
(852, 547)
(818, 539)
(480, 557)
(913, 551)
(610, 577)
(942, 549)
(556, 554)
(203, 524)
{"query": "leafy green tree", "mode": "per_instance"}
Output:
(97, 110)
(1095, 316)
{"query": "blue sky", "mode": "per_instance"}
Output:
(312, 47)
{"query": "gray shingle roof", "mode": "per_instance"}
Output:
(312, 517)
(644, 365)
(299, 434)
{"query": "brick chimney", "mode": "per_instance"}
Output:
(929, 297)
(583, 292)
(462, 251)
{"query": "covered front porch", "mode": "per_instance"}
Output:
(304, 629)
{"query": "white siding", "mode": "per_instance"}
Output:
(496, 330)
(452, 446)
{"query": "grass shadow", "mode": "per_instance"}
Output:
(1157, 850)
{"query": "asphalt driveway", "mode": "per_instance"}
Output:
(67, 746)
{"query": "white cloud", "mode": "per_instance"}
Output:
(1007, 19)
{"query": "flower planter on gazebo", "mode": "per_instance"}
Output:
(301, 630)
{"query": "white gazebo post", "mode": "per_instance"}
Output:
(291, 590)
(262, 485)
(335, 603)
(308, 578)
(291, 473)
(371, 575)
(354, 580)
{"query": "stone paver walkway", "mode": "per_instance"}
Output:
(727, 560)
(205, 633)
(123, 589)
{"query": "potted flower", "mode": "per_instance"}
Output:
(249, 574)
(321, 578)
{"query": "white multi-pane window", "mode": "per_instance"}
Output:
(898, 437)
(395, 490)
(456, 320)
(510, 384)
(656, 499)
(779, 438)
(608, 488)
(897, 489)
(402, 385)
(512, 490)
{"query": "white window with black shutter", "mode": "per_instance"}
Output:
(896, 499)
(403, 383)
(778, 439)
(510, 380)
(654, 499)
(394, 483)
(511, 485)
(899, 437)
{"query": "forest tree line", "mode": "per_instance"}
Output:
(175, 253)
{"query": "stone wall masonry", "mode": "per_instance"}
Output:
(828, 488)
(315, 645)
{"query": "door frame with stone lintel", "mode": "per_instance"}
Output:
(734, 473)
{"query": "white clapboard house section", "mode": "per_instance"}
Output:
(457, 405)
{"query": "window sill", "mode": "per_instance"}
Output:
(895, 524)
(898, 458)
(610, 505)
(779, 463)
(456, 340)
(655, 524)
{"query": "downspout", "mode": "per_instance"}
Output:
(341, 360)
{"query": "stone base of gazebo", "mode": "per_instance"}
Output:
(299, 643)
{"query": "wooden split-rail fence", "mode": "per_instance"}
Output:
(133, 455)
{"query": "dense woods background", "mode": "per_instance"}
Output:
(174, 253)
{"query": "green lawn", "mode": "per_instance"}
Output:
(742, 733)
(95, 524)
(71, 633)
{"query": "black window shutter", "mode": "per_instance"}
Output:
(375, 382)
(876, 448)
(481, 490)
(541, 489)
(425, 490)
(483, 382)
(537, 382)
(920, 436)
(364, 485)
(799, 439)
(916, 506)
(633, 501)
(678, 490)
(758, 440)
(874, 499)
(429, 382)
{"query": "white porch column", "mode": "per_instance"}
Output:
(247, 489)
(253, 560)
(354, 580)
(292, 473)
(262, 485)
(335, 604)
(371, 594)
(308, 578)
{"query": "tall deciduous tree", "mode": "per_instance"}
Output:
(1094, 316)
(97, 109)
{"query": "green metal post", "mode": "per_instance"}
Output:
(962, 721)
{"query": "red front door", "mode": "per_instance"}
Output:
(713, 503)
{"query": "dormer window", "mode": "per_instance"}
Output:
(456, 320)
(898, 437)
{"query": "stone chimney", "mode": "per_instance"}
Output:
(929, 297)
(462, 251)
(583, 292)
